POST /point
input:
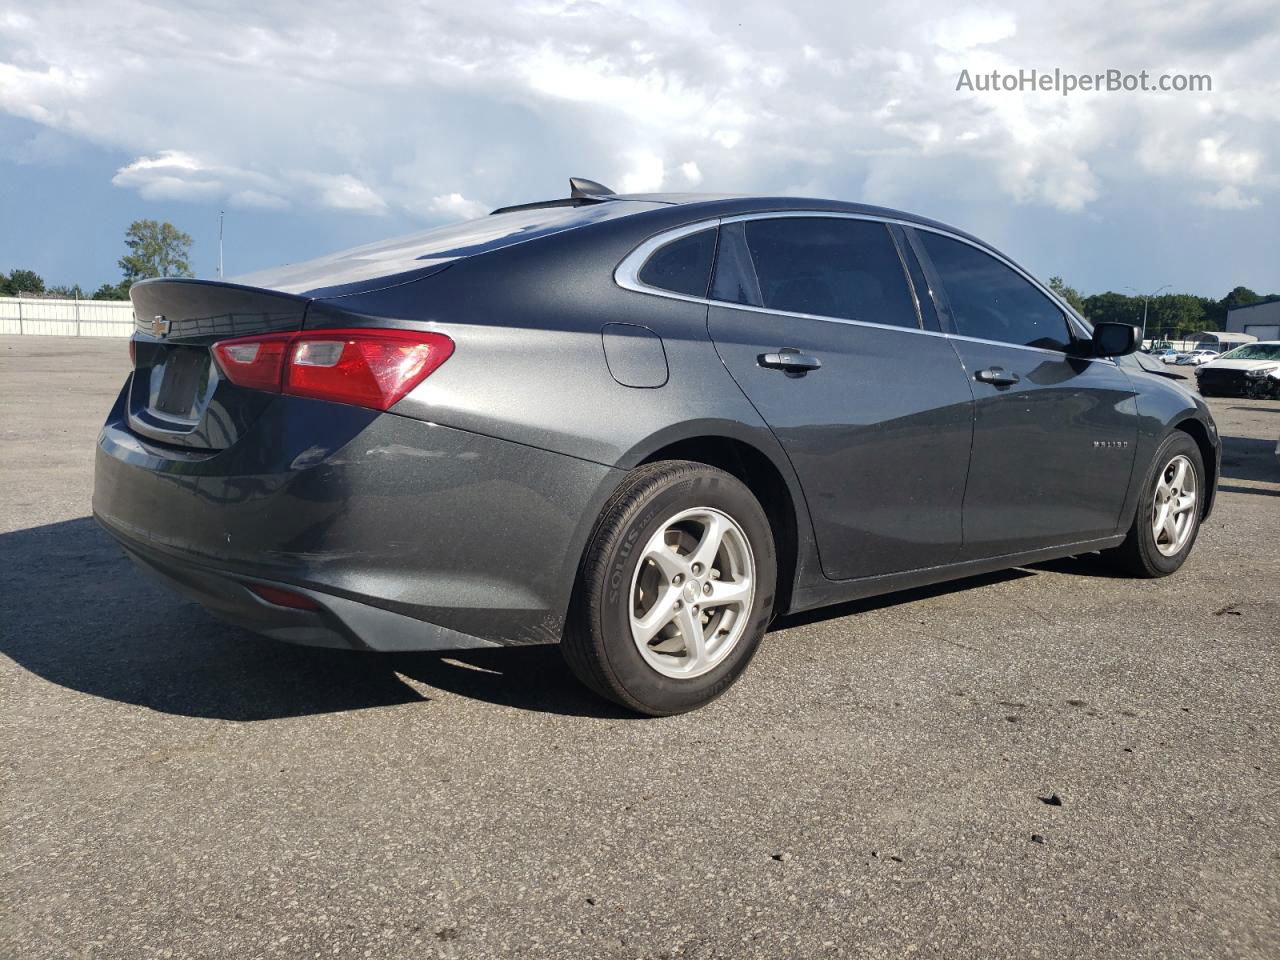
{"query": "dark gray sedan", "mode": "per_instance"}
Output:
(640, 426)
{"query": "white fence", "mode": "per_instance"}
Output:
(66, 318)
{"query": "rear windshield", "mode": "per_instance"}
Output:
(1254, 351)
(387, 258)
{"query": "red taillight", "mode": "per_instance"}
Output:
(255, 362)
(283, 598)
(133, 353)
(367, 368)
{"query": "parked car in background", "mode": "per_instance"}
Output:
(1161, 353)
(1252, 370)
(641, 426)
(1196, 357)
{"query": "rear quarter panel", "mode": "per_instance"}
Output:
(529, 364)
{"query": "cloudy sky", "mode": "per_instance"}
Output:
(318, 125)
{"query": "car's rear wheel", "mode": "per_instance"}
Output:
(1169, 510)
(675, 590)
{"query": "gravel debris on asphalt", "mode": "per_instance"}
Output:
(880, 783)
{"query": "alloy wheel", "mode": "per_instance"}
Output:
(692, 592)
(1174, 509)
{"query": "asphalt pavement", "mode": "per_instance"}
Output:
(1049, 762)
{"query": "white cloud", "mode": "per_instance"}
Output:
(412, 109)
(645, 173)
(1228, 198)
(257, 199)
(457, 207)
(177, 175)
(973, 28)
(342, 191)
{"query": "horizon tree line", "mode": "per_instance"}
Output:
(159, 249)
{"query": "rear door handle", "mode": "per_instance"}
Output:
(997, 376)
(790, 360)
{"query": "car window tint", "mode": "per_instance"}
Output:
(992, 302)
(830, 267)
(682, 266)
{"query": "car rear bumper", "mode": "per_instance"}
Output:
(406, 534)
(335, 622)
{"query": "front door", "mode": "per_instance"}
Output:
(1054, 433)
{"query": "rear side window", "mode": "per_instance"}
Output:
(830, 267)
(682, 266)
(992, 302)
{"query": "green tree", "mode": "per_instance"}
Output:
(111, 291)
(1215, 313)
(155, 250)
(1111, 307)
(1239, 297)
(1176, 315)
(73, 292)
(1069, 294)
(23, 281)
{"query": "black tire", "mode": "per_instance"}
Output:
(1138, 556)
(598, 643)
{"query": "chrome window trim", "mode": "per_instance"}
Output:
(816, 316)
(627, 276)
(627, 273)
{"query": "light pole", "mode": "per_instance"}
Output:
(219, 244)
(1145, 299)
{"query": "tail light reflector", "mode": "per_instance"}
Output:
(365, 367)
(283, 598)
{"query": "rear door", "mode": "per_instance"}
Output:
(1054, 432)
(814, 317)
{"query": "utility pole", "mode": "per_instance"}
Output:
(219, 244)
(1146, 298)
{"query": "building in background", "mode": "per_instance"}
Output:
(1260, 320)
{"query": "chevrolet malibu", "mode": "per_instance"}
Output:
(640, 426)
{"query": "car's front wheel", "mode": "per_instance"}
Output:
(675, 590)
(1170, 506)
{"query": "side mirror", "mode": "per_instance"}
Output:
(1114, 339)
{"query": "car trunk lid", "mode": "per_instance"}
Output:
(177, 395)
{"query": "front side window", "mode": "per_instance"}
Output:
(682, 266)
(825, 266)
(992, 302)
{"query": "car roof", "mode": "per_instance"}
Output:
(404, 258)
(733, 204)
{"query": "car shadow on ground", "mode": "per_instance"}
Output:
(75, 612)
(78, 614)
(854, 607)
(1247, 458)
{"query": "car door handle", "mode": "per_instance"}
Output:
(997, 375)
(791, 360)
